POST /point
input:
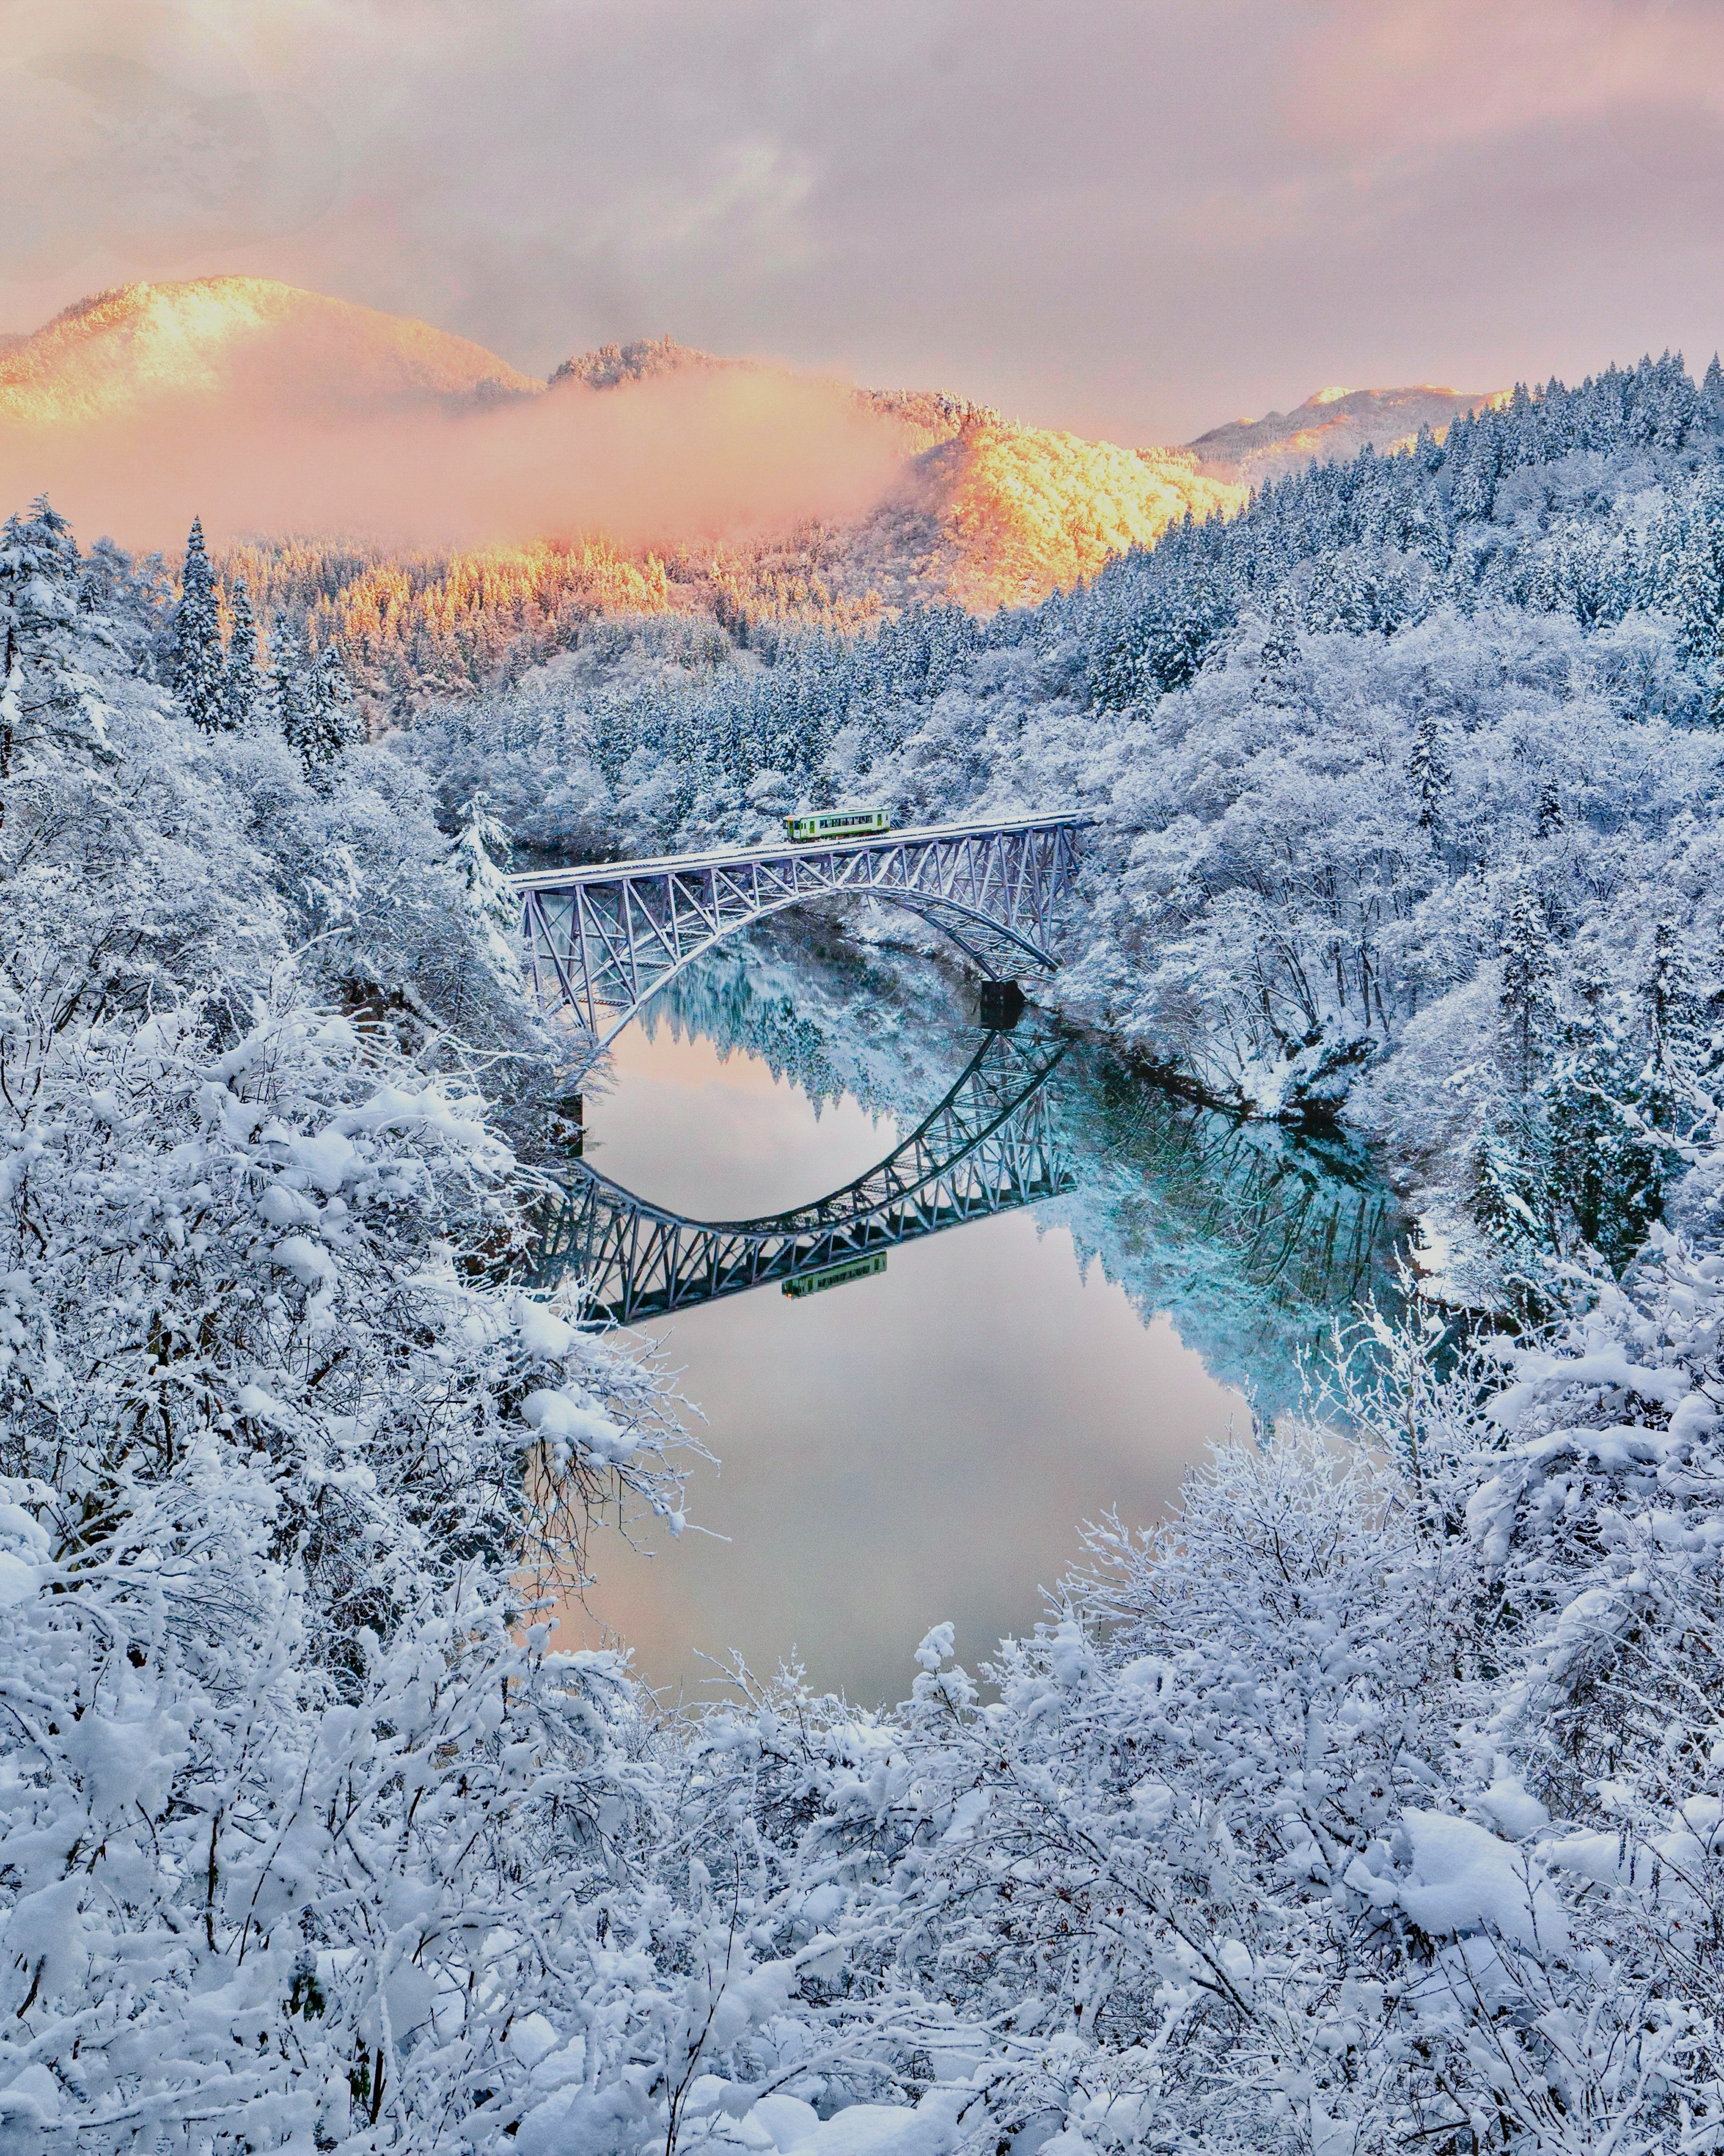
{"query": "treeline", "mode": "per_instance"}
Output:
(412, 628)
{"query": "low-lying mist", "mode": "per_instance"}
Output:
(681, 458)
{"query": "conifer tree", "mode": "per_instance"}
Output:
(240, 677)
(45, 706)
(198, 671)
(1670, 1011)
(279, 690)
(316, 718)
(1513, 1198)
(1280, 646)
(489, 903)
(1428, 772)
(1524, 1003)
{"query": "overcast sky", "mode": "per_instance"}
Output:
(1135, 218)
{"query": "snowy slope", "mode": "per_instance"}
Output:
(218, 338)
(1332, 426)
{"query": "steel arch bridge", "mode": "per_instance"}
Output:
(989, 1146)
(603, 939)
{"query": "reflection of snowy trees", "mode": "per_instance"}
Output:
(1256, 1239)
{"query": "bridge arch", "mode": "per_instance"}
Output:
(604, 939)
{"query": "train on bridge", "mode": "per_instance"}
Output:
(604, 938)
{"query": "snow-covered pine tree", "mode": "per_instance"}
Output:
(1669, 1090)
(1711, 394)
(199, 680)
(1512, 1195)
(1280, 642)
(1525, 1008)
(278, 692)
(490, 903)
(1428, 772)
(314, 712)
(240, 676)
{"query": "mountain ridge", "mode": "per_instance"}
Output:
(1329, 427)
(983, 510)
(117, 351)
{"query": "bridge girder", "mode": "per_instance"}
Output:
(603, 939)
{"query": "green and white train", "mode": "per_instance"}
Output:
(837, 824)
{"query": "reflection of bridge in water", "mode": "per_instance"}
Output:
(989, 1148)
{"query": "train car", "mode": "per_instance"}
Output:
(837, 824)
(848, 1269)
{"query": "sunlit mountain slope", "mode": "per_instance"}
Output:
(988, 512)
(222, 339)
(1001, 515)
(132, 388)
(1331, 427)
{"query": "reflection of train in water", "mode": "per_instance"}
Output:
(835, 1275)
(837, 824)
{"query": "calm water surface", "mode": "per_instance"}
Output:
(923, 1444)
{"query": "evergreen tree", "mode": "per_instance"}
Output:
(50, 710)
(1712, 393)
(490, 903)
(316, 719)
(1670, 1012)
(279, 692)
(1692, 571)
(199, 680)
(240, 677)
(1511, 1195)
(1524, 1003)
(1280, 645)
(1428, 772)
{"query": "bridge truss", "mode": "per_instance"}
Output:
(989, 1148)
(603, 939)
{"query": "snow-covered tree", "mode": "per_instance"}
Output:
(197, 664)
(490, 903)
(239, 675)
(318, 711)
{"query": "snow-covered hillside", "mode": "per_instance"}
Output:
(1332, 427)
(1374, 1802)
(221, 340)
(1408, 784)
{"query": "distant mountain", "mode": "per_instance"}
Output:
(646, 360)
(222, 338)
(1329, 428)
(988, 512)
(983, 511)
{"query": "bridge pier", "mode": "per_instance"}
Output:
(1002, 1005)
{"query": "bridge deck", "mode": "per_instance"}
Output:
(741, 856)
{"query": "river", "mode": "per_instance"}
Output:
(1110, 1277)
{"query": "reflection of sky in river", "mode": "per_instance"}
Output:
(906, 1449)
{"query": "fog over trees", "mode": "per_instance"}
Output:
(1373, 1803)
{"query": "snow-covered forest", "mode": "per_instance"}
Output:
(1374, 1802)
(1416, 741)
